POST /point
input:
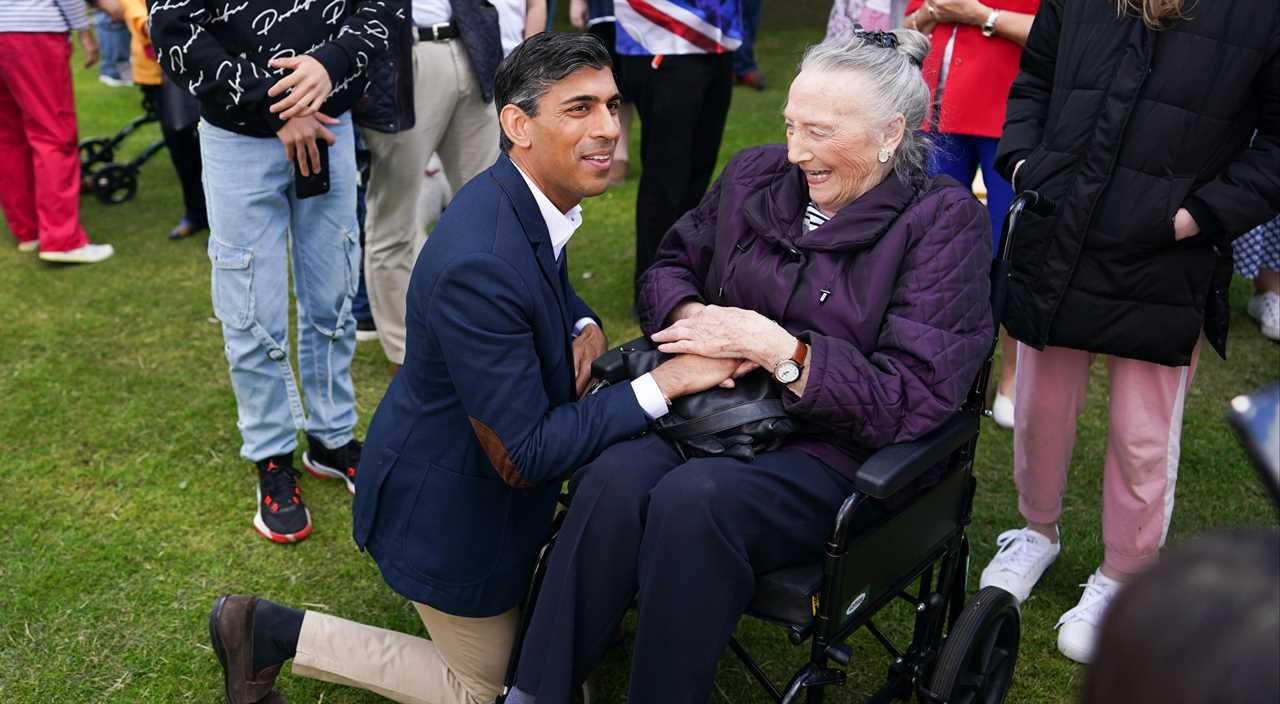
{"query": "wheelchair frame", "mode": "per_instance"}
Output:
(957, 653)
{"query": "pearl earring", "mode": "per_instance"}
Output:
(885, 154)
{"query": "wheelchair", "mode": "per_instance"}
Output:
(959, 653)
(110, 182)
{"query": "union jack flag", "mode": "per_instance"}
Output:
(678, 26)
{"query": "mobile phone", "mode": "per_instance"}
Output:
(317, 183)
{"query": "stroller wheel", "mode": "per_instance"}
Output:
(95, 151)
(115, 184)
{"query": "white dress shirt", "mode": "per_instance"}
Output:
(561, 227)
(429, 12)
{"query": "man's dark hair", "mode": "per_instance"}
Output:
(540, 62)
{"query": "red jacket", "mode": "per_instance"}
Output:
(982, 70)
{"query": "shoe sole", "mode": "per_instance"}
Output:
(1271, 333)
(320, 471)
(218, 648)
(366, 335)
(63, 258)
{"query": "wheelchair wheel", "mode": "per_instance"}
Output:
(115, 184)
(977, 660)
(95, 151)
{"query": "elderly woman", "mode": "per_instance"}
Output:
(835, 256)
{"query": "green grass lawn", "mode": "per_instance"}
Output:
(126, 508)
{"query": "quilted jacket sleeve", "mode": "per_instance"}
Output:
(683, 259)
(1028, 107)
(935, 335)
(1247, 192)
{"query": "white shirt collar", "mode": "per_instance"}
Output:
(560, 226)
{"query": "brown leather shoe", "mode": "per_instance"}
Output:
(231, 634)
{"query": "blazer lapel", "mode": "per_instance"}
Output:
(535, 228)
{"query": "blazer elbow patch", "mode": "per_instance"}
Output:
(498, 456)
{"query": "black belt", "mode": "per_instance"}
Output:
(439, 32)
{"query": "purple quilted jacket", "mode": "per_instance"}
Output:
(891, 294)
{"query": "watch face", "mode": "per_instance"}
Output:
(787, 372)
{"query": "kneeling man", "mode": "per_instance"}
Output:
(467, 451)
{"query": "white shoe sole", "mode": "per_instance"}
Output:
(320, 471)
(1271, 332)
(75, 256)
(26, 247)
(366, 335)
(1074, 652)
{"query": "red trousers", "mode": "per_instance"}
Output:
(39, 156)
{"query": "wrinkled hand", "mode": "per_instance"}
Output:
(690, 373)
(89, 45)
(1184, 225)
(308, 85)
(578, 13)
(728, 333)
(588, 346)
(299, 137)
(957, 11)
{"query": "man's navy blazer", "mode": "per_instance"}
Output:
(467, 451)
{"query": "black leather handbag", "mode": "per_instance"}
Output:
(740, 422)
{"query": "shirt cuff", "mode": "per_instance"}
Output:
(581, 325)
(650, 396)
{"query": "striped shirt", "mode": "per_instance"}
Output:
(813, 218)
(43, 15)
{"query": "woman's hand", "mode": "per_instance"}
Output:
(728, 333)
(957, 11)
(1184, 225)
(578, 13)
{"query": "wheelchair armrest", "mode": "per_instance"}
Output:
(892, 468)
(610, 366)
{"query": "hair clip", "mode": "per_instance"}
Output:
(884, 40)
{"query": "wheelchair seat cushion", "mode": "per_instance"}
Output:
(786, 596)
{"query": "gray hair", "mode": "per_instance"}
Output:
(898, 87)
(540, 62)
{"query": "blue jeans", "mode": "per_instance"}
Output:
(113, 43)
(259, 230)
(960, 156)
(744, 58)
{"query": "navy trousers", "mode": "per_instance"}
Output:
(683, 538)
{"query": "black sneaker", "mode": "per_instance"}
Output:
(366, 331)
(281, 516)
(341, 463)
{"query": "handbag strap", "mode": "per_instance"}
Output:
(749, 412)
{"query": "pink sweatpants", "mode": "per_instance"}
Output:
(1142, 445)
(39, 157)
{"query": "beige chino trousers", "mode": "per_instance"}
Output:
(453, 121)
(463, 663)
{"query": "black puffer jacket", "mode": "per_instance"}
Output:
(1122, 125)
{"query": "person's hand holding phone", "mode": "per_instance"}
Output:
(299, 136)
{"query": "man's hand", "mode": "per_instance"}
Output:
(588, 346)
(578, 13)
(308, 85)
(299, 137)
(89, 45)
(1184, 225)
(689, 374)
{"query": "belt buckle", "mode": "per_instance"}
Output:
(435, 30)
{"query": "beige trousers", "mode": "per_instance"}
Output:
(451, 120)
(463, 663)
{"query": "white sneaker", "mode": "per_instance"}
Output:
(1078, 628)
(87, 254)
(1002, 411)
(29, 246)
(1265, 309)
(1024, 555)
(114, 82)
